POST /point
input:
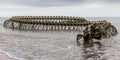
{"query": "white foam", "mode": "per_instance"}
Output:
(10, 56)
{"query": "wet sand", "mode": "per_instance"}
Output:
(5, 57)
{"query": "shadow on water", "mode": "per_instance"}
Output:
(93, 51)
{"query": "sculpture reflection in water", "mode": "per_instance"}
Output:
(93, 50)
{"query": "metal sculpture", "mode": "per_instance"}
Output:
(48, 23)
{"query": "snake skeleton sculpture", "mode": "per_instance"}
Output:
(91, 29)
(45, 23)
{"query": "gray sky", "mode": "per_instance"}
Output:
(85, 8)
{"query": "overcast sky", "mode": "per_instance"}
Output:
(82, 8)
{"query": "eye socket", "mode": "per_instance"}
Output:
(97, 34)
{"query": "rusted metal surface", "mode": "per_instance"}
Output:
(48, 23)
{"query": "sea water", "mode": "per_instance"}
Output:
(57, 45)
